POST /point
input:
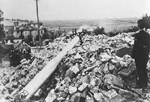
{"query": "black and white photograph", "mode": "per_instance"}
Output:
(74, 50)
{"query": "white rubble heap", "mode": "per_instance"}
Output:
(90, 72)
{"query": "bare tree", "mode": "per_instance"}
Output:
(1, 25)
(1, 15)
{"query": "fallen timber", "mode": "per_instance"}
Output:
(41, 77)
(45, 73)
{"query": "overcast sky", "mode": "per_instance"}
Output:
(74, 9)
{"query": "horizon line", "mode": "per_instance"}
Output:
(72, 19)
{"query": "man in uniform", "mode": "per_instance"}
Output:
(140, 53)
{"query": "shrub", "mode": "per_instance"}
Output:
(131, 29)
(146, 20)
(99, 30)
(112, 33)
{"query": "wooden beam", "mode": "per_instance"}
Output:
(46, 72)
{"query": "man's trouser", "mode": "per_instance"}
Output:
(141, 63)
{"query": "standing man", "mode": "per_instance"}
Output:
(140, 53)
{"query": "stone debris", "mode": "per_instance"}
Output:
(51, 96)
(91, 72)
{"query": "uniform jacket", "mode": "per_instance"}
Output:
(141, 46)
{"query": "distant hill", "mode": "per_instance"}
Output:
(118, 24)
(109, 24)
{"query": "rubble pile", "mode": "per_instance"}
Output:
(91, 72)
(13, 79)
(19, 76)
(95, 72)
(50, 50)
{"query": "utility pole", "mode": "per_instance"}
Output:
(37, 14)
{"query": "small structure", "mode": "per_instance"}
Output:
(21, 50)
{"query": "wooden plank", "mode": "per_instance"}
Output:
(46, 72)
